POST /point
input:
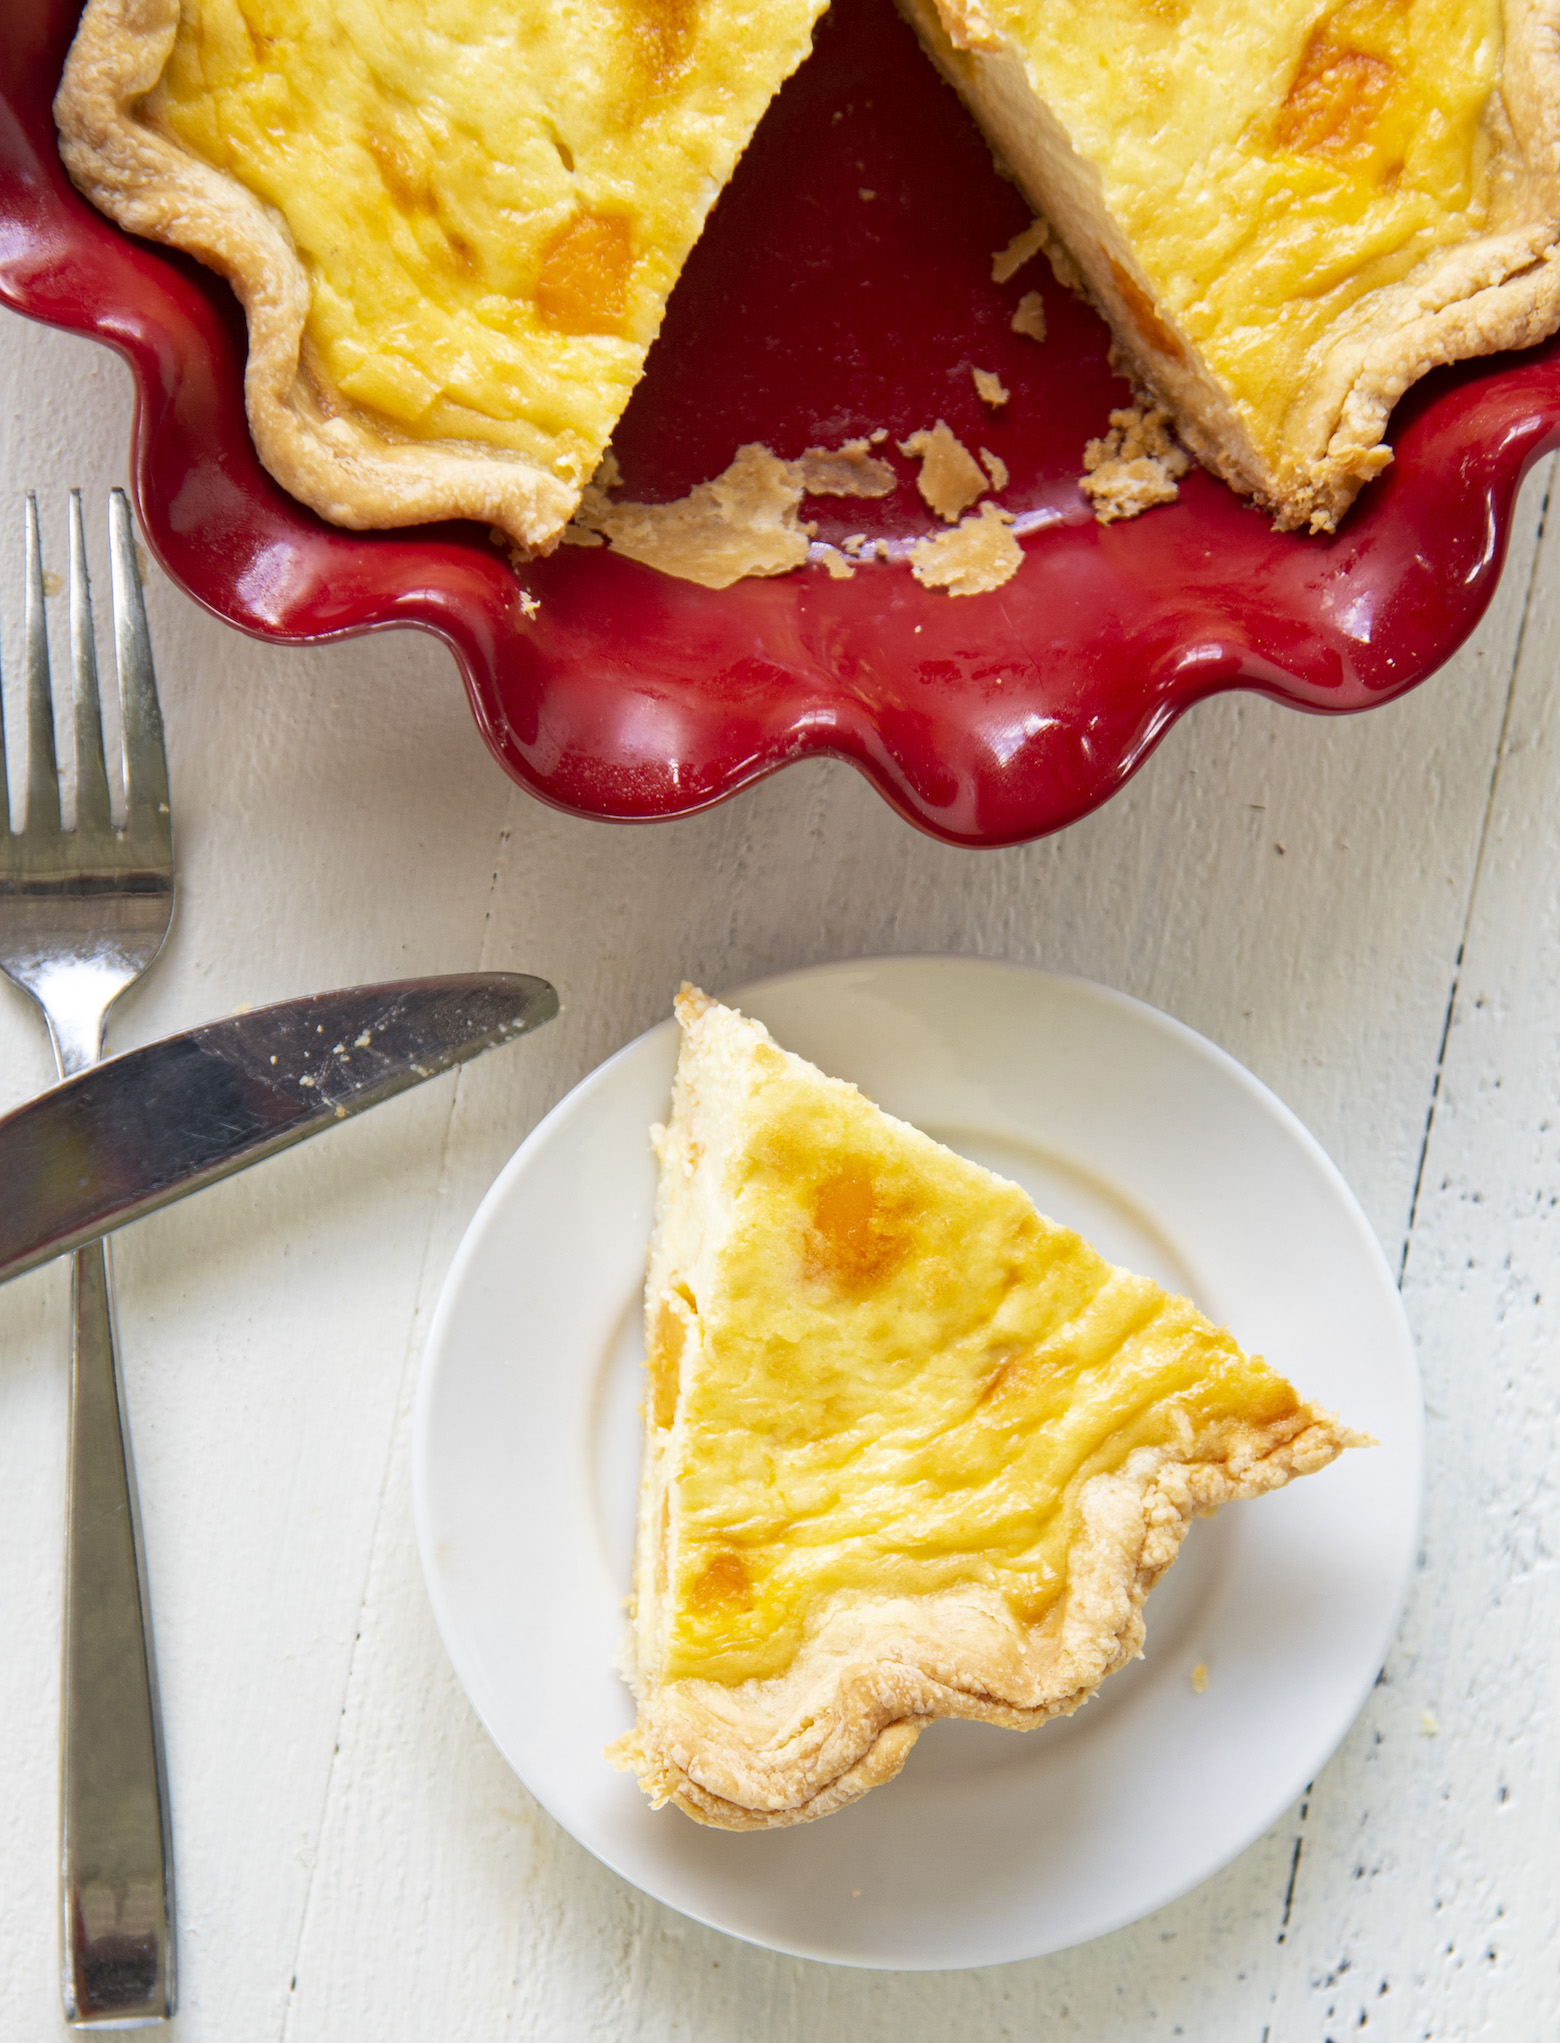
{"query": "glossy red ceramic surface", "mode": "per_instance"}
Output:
(843, 284)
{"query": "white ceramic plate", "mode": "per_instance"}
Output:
(991, 1845)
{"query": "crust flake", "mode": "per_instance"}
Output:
(1137, 465)
(978, 555)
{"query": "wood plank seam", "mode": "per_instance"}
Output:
(1478, 867)
(1420, 1225)
(410, 1360)
(1294, 1864)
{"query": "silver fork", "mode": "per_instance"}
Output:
(83, 912)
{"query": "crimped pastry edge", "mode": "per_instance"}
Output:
(876, 1672)
(1496, 292)
(329, 456)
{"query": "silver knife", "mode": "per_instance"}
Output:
(139, 1131)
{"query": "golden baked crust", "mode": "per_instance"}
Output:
(911, 1450)
(843, 1718)
(1474, 271)
(454, 240)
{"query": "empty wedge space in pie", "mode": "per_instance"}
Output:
(454, 232)
(911, 1449)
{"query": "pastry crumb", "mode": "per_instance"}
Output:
(989, 388)
(978, 555)
(584, 528)
(1038, 238)
(1200, 1677)
(1137, 465)
(951, 478)
(995, 467)
(863, 192)
(877, 436)
(848, 471)
(1029, 319)
(529, 604)
(853, 542)
(1029, 241)
(744, 522)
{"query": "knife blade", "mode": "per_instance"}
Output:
(143, 1129)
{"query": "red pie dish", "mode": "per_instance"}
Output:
(843, 284)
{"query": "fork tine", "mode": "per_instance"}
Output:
(43, 779)
(91, 771)
(146, 761)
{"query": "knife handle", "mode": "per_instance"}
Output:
(116, 1860)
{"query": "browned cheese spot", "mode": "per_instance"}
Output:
(583, 285)
(407, 185)
(1336, 99)
(725, 1581)
(1273, 1404)
(410, 186)
(1006, 1384)
(1042, 1600)
(663, 1546)
(854, 1242)
(1141, 312)
(660, 36)
(667, 1334)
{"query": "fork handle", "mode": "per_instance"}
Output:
(116, 1862)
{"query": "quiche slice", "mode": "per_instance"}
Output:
(1287, 211)
(911, 1450)
(453, 224)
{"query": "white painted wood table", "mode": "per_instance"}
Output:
(1363, 910)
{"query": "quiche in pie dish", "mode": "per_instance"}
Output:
(1287, 211)
(453, 224)
(911, 1450)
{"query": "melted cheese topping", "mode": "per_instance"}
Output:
(1270, 164)
(492, 198)
(899, 1381)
